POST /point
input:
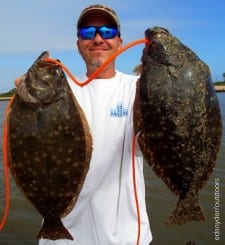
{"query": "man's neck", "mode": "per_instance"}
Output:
(106, 73)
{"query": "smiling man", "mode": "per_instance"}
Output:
(105, 212)
(98, 38)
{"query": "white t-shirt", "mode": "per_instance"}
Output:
(105, 212)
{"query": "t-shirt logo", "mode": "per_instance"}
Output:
(119, 111)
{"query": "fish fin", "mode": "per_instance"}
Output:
(138, 69)
(137, 111)
(187, 209)
(54, 231)
(87, 140)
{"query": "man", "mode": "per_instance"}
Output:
(105, 212)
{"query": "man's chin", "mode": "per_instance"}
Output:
(97, 63)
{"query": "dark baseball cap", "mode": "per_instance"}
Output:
(98, 9)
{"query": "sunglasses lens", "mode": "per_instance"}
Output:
(107, 32)
(89, 32)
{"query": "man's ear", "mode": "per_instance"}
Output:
(121, 42)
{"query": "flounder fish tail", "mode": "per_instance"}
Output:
(54, 231)
(187, 209)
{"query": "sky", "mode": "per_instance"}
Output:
(29, 27)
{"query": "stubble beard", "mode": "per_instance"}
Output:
(96, 64)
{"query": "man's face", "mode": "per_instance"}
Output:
(97, 50)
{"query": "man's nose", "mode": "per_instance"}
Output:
(98, 38)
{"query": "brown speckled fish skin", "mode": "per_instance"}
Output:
(49, 145)
(177, 119)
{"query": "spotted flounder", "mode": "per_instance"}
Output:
(50, 145)
(177, 119)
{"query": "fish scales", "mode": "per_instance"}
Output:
(49, 145)
(177, 119)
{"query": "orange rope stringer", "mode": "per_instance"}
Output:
(95, 74)
(81, 84)
(135, 190)
(6, 164)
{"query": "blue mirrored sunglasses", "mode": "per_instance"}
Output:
(106, 32)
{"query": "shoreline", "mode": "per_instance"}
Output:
(5, 98)
(217, 89)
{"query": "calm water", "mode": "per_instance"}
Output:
(23, 221)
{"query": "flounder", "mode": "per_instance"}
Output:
(177, 119)
(50, 145)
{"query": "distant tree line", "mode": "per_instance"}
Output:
(222, 82)
(9, 93)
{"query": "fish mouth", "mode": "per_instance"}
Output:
(155, 32)
(25, 95)
(40, 96)
(155, 51)
(44, 81)
(161, 50)
(37, 87)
